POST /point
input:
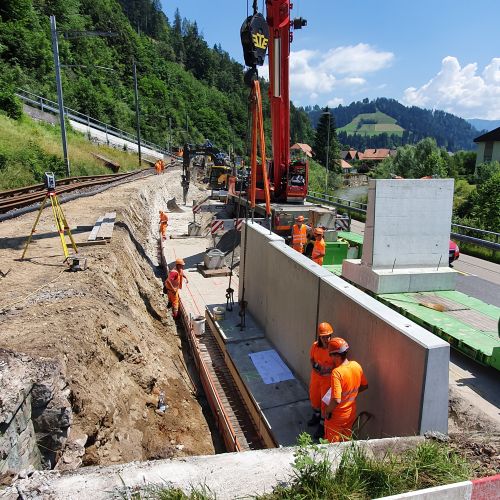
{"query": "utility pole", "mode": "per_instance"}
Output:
(327, 152)
(170, 134)
(60, 100)
(187, 127)
(137, 114)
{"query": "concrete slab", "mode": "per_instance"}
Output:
(398, 280)
(266, 395)
(287, 425)
(230, 327)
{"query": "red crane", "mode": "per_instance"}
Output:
(288, 180)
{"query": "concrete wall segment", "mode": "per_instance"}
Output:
(455, 491)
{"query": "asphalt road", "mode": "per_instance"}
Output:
(478, 278)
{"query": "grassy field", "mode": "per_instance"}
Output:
(29, 148)
(380, 122)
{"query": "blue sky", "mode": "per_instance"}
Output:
(442, 54)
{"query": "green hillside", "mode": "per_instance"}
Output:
(370, 124)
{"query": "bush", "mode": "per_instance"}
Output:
(10, 104)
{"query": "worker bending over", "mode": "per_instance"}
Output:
(347, 381)
(319, 248)
(173, 284)
(163, 224)
(322, 365)
(299, 234)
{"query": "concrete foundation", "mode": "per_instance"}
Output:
(288, 295)
(406, 240)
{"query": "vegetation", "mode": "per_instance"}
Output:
(449, 131)
(361, 477)
(372, 124)
(317, 178)
(182, 81)
(28, 149)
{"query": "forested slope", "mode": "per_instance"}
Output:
(200, 89)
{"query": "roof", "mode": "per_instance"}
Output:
(376, 154)
(344, 164)
(303, 147)
(491, 136)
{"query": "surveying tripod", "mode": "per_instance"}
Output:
(60, 219)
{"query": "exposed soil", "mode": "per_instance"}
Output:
(108, 325)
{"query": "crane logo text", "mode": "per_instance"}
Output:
(260, 41)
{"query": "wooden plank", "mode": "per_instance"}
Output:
(107, 226)
(95, 229)
(90, 243)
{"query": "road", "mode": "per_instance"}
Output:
(478, 278)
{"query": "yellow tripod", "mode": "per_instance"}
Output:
(61, 224)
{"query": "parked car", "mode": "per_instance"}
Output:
(454, 252)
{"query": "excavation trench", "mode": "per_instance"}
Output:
(108, 329)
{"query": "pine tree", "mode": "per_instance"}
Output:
(321, 141)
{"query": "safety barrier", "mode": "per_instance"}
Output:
(52, 107)
(489, 240)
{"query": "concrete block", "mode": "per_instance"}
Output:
(401, 361)
(398, 280)
(288, 423)
(408, 221)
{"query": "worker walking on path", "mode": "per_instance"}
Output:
(299, 234)
(319, 249)
(158, 167)
(347, 381)
(322, 365)
(163, 224)
(173, 284)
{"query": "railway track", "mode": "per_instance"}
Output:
(25, 196)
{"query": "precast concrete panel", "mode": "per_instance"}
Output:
(254, 264)
(292, 297)
(411, 223)
(394, 353)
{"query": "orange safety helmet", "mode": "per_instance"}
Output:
(337, 345)
(325, 329)
(180, 262)
(318, 230)
(300, 218)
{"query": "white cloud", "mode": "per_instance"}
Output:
(461, 90)
(333, 103)
(317, 75)
(356, 60)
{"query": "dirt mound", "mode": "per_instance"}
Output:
(108, 325)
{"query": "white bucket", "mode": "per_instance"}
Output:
(198, 325)
(219, 313)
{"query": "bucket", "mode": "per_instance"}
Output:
(219, 313)
(214, 259)
(198, 325)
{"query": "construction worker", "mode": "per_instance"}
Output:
(322, 365)
(299, 234)
(162, 166)
(319, 248)
(158, 167)
(163, 223)
(173, 284)
(347, 381)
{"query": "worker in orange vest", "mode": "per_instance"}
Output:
(158, 167)
(162, 166)
(347, 381)
(319, 248)
(299, 234)
(173, 284)
(322, 365)
(163, 223)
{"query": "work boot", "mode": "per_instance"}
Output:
(314, 420)
(320, 431)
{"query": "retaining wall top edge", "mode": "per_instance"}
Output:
(398, 321)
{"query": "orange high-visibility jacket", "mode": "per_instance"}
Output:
(163, 217)
(299, 237)
(319, 251)
(319, 384)
(174, 280)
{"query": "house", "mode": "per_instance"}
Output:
(488, 147)
(375, 154)
(350, 155)
(304, 148)
(347, 168)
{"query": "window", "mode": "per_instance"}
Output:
(488, 152)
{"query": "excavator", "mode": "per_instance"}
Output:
(287, 179)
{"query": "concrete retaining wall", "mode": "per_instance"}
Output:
(406, 366)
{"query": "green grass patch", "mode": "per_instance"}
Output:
(29, 148)
(361, 477)
(372, 124)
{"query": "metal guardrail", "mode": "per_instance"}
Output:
(52, 107)
(465, 234)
